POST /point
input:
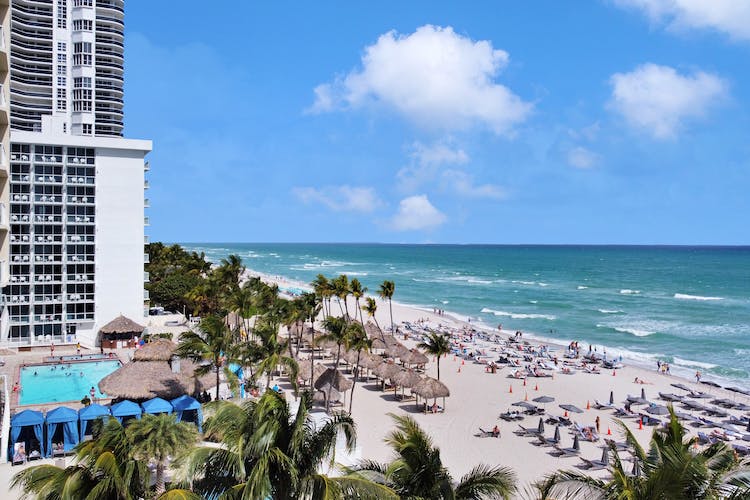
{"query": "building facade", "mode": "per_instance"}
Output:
(72, 199)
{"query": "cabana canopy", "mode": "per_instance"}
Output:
(91, 412)
(27, 418)
(121, 328)
(187, 404)
(125, 409)
(68, 418)
(156, 405)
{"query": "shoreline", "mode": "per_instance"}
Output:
(685, 373)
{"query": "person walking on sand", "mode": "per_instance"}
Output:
(598, 422)
(698, 376)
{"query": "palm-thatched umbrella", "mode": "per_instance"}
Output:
(304, 370)
(431, 388)
(386, 371)
(120, 328)
(415, 357)
(397, 350)
(156, 350)
(371, 362)
(148, 379)
(332, 379)
(406, 379)
(378, 344)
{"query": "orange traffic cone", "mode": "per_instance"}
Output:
(511, 389)
(588, 405)
(640, 423)
(526, 398)
(609, 431)
(566, 414)
(536, 387)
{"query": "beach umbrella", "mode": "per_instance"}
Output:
(700, 395)
(576, 444)
(431, 388)
(571, 408)
(636, 466)
(415, 358)
(557, 434)
(335, 379)
(738, 390)
(710, 383)
(605, 455)
(540, 427)
(524, 404)
(405, 379)
(543, 399)
(657, 410)
(748, 426)
(682, 386)
(643, 393)
(611, 397)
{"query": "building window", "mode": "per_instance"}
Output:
(82, 54)
(82, 3)
(62, 105)
(62, 46)
(62, 58)
(82, 82)
(62, 22)
(61, 94)
(61, 82)
(86, 129)
(83, 24)
(82, 100)
(62, 70)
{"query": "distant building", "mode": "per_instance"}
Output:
(71, 187)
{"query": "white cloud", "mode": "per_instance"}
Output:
(581, 157)
(340, 198)
(417, 213)
(426, 161)
(659, 100)
(463, 184)
(731, 17)
(434, 77)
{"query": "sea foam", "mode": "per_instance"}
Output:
(519, 315)
(685, 296)
(627, 291)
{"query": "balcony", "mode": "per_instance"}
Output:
(146, 166)
(3, 106)
(146, 258)
(146, 185)
(3, 156)
(145, 221)
(3, 50)
(3, 217)
(146, 203)
(145, 277)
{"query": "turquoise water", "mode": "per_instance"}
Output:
(65, 382)
(686, 305)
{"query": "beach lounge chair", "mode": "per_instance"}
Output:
(602, 463)
(510, 416)
(572, 451)
(551, 441)
(619, 446)
(705, 439)
(603, 406)
(485, 434)
(741, 449)
(531, 431)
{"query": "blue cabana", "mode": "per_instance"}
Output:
(68, 419)
(189, 410)
(125, 409)
(89, 413)
(23, 426)
(156, 405)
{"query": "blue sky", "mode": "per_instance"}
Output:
(608, 121)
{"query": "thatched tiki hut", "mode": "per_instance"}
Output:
(431, 388)
(120, 329)
(332, 380)
(155, 371)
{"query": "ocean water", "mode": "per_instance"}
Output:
(689, 306)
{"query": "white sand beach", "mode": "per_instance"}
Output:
(478, 398)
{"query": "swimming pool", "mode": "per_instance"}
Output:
(63, 382)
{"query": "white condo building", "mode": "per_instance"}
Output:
(71, 187)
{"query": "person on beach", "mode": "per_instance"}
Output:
(496, 432)
(698, 376)
(597, 422)
(92, 391)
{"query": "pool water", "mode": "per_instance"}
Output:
(63, 382)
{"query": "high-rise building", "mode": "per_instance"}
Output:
(71, 187)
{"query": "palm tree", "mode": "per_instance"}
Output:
(371, 307)
(418, 471)
(270, 355)
(338, 332)
(322, 288)
(266, 452)
(242, 300)
(357, 291)
(210, 344)
(671, 469)
(157, 437)
(358, 342)
(103, 469)
(386, 291)
(341, 290)
(437, 345)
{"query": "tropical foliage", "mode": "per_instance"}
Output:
(417, 471)
(438, 345)
(672, 468)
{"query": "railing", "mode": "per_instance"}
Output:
(145, 221)
(3, 216)
(2, 38)
(145, 295)
(146, 258)
(3, 100)
(146, 203)
(145, 185)
(145, 277)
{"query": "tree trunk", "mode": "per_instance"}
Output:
(438, 366)
(160, 486)
(216, 363)
(336, 368)
(390, 306)
(354, 384)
